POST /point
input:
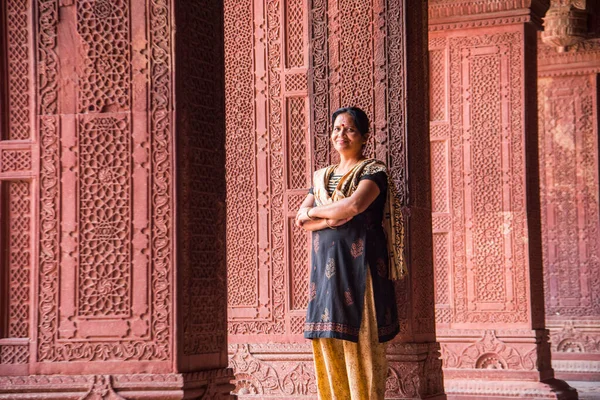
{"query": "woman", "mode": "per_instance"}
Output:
(352, 307)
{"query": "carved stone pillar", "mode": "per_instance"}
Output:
(366, 53)
(568, 114)
(486, 219)
(112, 173)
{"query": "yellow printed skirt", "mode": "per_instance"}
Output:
(353, 371)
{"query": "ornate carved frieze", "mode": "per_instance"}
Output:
(287, 370)
(569, 338)
(490, 352)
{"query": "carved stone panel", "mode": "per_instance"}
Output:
(18, 33)
(477, 150)
(569, 185)
(268, 167)
(105, 264)
(568, 148)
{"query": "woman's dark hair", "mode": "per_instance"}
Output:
(361, 121)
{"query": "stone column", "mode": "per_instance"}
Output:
(112, 169)
(374, 55)
(288, 66)
(486, 215)
(568, 147)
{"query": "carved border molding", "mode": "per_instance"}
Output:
(514, 389)
(205, 385)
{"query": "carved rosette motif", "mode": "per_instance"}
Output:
(490, 353)
(104, 217)
(18, 258)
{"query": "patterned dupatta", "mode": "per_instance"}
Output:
(393, 217)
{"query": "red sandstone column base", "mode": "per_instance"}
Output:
(500, 364)
(280, 371)
(213, 384)
(414, 371)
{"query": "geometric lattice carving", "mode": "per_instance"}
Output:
(440, 176)
(240, 161)
(294, 33)
(487, 178)
(442, 266)
(15, 160)
(299, 267)
(297, 143)
(14, 354)
(297, 325)
(255, 167)
(19, 258)
(104, 217)
(296, 82)
(103, 26)
(17, 15)
(437, 76)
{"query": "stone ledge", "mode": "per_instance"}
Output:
(489, 389)
(211, 383)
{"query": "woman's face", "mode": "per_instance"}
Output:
(345, 137)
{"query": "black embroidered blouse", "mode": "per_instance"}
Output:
(341, 258)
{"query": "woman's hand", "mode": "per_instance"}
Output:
(302, 216)
(338, 222)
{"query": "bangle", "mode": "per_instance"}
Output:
(308, 215)
(327, 223)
